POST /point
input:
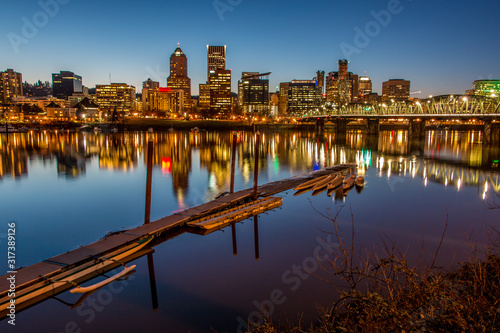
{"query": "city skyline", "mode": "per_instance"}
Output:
(439, 48)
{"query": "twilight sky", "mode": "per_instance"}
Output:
(441, 46)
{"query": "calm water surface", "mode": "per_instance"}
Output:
(65, 190)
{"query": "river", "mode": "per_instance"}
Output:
(68, 189)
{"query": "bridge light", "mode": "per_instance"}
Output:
(464, 99)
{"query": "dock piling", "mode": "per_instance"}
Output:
(233, 232)
(256, 169)
(152, 281)
(149, 176)
(233, 161)
(256, 236)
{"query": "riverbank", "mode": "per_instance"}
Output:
(387, 294)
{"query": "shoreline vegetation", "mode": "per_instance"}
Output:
(379, 291)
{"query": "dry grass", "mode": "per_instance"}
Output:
(383, 293)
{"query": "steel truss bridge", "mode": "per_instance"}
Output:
(459, 106)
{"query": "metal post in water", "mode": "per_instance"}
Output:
(147, 212)
(256, 169)
(233, 161)
(256, 235)
(233, 231)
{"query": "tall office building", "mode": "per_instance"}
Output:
(341, 86)
(220, 91)
(396, 89)
(115, 96)
(283, 98)
(178, 78)
(215, 95)
(320, 78)
(11, 85)
(216, 58)
(150, 84)
(253, 92)
(65, 84)
(365, 85)
(303, 96)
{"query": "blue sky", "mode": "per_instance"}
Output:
(441, 46)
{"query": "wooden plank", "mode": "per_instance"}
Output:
(27, 274)
(86, 252)
(239, 213)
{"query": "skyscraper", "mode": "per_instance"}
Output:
(396, 89)
(218, 87)
(303, 96)
(253, 92)
(365, 85)
(11, 85)
(65, 84)
(216, 58)
(178, 78)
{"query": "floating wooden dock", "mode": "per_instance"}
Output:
(238, 213)
(27, 277)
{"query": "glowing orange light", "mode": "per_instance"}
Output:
(166, 165)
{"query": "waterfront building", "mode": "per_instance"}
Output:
(253, 92)
(65, 84)
(488, 88)
(303, 96)
(162, 101)
(88, 109)
(40, 102)
(396, 89)
(178, 78)
(115, 96)
(57, 112)
(11, 85)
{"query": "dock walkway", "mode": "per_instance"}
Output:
(27, 276)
